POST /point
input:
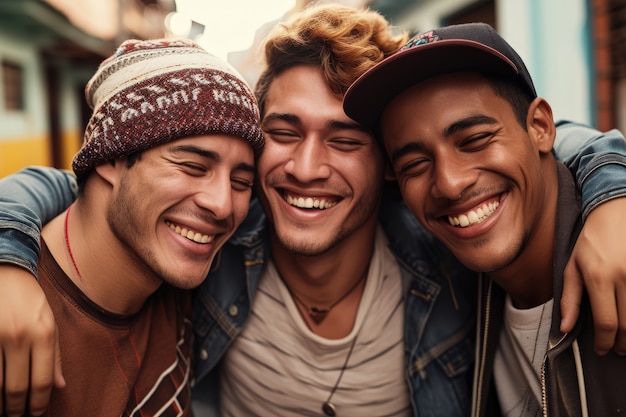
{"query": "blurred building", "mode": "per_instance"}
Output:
(575, 50)
(48, 51)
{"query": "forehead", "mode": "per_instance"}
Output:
(440, 100)
(298, 88)
(219, 146)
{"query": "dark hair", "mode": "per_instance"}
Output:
(512, 91)
(131, 159)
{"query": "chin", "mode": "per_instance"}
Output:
(309, 247)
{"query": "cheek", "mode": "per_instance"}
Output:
(273, 155)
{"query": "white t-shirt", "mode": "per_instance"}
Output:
(278, 367)
(519, 358)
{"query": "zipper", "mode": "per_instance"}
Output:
(544, 397)
(480, 364)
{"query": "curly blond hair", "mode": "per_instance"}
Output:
(342, 41)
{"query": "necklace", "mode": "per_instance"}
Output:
(319, 314)
(67, 243)
(328, 407)
(537, 335)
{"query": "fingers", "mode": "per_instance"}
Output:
(620, 341)
(27, 341)
(598, 260)
(605, 318)
(16, 368)
(604, 306)
(571, 297)
(43, 368)
(59, 380)
(29, 373)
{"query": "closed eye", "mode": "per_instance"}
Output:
(240, 184)
(345, 144)
(412, 167)
(477, 142)
(193, 169)
(281, 135)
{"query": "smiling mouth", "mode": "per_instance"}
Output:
(309, 202)
(474, 216)
(190, 234)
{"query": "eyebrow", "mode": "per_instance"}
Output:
(447, 132)
(467, 123)
(208, 154)
(406, 149)
(332, 124)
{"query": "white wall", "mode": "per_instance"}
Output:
(32, 121)
(553, 38)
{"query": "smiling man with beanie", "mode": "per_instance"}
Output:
(165, 174)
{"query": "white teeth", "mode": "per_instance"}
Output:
(474, 217)
(309, 202)
(191, 235)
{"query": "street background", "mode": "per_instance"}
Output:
(575, 51)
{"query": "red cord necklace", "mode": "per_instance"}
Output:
(67, 243)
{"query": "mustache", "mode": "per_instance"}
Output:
(475, 192)
(205, 216)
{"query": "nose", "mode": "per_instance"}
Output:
(451, 177)
(309, 161)
(216, 196)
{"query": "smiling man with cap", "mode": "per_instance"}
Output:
(471, 146)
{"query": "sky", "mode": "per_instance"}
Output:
(229, 25)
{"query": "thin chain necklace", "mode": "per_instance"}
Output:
(328, 407)
(543, 309)
(67, 242)
(318, 314)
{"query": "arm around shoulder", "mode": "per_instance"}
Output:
(598, 159)
(28, 199)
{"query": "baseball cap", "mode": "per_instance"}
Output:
(469, 47)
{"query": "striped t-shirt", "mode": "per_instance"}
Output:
(278, 367)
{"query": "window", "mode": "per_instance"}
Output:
(13, 85)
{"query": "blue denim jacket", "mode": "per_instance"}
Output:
(439, 302)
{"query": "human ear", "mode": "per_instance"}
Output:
(540, 125)
(110, 171)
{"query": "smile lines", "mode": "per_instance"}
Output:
(190, 234)
(474, 216)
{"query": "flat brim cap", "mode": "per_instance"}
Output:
(459, 48)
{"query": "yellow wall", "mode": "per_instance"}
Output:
(72, 142)
(20, 153)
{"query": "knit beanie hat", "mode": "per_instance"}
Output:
(155, 91)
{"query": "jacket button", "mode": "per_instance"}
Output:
(233, 310)
(204, 355)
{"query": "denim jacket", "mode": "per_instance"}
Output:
(440, 300)
(439, 303)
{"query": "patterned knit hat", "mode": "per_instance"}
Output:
(152, 92)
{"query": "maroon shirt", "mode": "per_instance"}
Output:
(138, 365)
